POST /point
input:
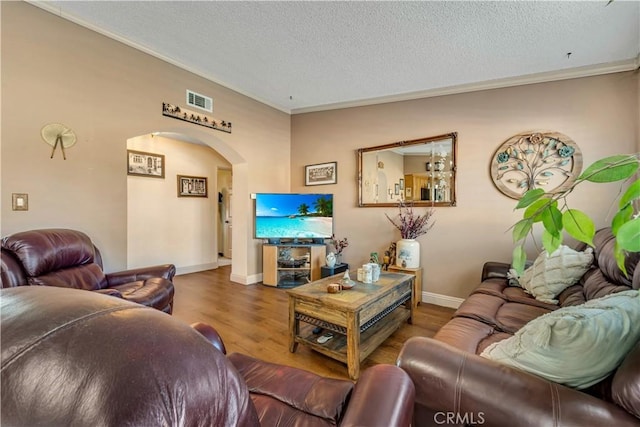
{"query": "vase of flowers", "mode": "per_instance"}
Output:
(339, 245)
(411, 226)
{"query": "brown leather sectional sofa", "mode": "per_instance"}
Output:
(455, 386)
(73, 358)
(68, 258)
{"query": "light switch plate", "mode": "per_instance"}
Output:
(20, 201)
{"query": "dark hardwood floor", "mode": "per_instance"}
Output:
(254, 320)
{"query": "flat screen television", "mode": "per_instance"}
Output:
(293, 216)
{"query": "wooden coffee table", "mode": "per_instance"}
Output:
(360, 318)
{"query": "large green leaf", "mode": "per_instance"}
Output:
(632, 193)
(519, 259)
(534, 211)
(550, 241)
(621, 217)
(530, 197)
(521, 229)
(611, 169)
(579, 226)
(552, 220)
(628, 236)
(620, 258)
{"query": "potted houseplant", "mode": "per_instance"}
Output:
(411, 226)
(544, 208)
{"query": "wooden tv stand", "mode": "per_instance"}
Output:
(288, 265)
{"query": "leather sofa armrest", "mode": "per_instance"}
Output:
(452, 383)
(11, 271)
(383, 396)
(108, 291)
(210, 335)
(166, 271)
(493, 269)
(296, 391)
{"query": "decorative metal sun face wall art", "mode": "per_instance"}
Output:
(538, 159)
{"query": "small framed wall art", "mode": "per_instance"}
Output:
(192, 186)
(408, 193)
(140, 163)
(321, 174)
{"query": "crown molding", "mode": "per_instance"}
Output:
(570, 73)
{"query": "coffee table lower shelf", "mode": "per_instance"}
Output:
(361, 318)
(336, 348)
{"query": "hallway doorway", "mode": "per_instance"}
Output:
(225, 220)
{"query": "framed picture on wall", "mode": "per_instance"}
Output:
(192, 186)
(140, 163)
(321, 174)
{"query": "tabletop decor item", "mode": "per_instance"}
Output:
(411, 226)
(389, 257)
(334, 288)
(339, 245)
(346, 281)
(330, 259)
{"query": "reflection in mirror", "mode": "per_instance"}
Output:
(421, 172)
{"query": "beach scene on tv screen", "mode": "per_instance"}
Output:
(294, 215)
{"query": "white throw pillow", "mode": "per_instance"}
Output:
(551, 274)
(578, 345)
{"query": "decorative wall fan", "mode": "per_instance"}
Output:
(57, 134)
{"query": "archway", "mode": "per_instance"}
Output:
(240, 235)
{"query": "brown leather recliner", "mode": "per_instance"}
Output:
(81, 358)
(68, 258)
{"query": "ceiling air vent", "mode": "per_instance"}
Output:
(199, 101)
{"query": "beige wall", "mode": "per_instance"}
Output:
(56, 71)
(599, 113)
(189, 236)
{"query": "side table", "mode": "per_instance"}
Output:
(417, 284)
(326, 271)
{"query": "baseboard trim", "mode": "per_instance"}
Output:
(442, 300)
(427, 297)
(246, 280)
(196, 268)
(235, 278)
(254, 278)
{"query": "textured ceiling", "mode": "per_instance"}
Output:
(308, 55)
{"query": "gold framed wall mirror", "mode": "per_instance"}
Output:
(421, 172)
